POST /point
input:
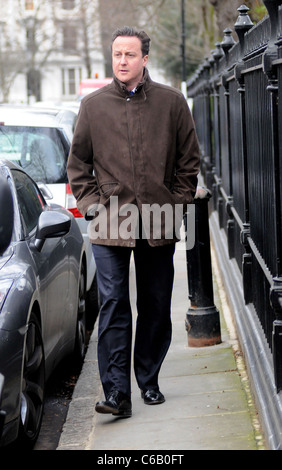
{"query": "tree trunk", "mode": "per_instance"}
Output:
(227, 14)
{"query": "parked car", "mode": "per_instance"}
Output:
(6, 231)
(71, 105)
(6, 215)
(39, 140)
(2, 413)
(42, 302)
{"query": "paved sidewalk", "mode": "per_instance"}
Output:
(208, 404)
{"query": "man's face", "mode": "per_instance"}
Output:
(127, 60)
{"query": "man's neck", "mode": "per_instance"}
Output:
(133, 86)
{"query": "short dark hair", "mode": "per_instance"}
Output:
(133, 32)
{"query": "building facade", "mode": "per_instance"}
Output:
(47, 47)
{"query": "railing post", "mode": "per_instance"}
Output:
(241, 27)
(229, 202)
(214, 182)
(272, 8)
(269, 68)
(202, 318)
(206, 164)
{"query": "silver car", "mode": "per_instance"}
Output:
(42, 303)
(39, 139)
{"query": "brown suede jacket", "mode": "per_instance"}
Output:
(141, 148)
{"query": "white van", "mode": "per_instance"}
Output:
(92, 84)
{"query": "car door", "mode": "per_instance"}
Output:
(51, 265)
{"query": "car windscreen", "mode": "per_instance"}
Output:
(38, 150)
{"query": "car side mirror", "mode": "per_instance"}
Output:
(6, 215)
(51, 224)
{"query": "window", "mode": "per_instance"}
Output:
(68, 4)
(30, 201)
(71, 79)
(38, 150)
(69, 38)
(29, 4)
(72, 88)
(30, 39)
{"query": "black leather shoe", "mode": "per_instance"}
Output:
(152, 397)
(116, 403)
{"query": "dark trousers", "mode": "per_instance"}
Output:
(154, 281)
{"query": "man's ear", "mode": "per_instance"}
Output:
(145, 60)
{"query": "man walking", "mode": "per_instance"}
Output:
(134, 146)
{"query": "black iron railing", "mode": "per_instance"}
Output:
(237, 107)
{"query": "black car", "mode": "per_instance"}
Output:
(42, 302)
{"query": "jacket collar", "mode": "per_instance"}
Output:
(141, 87)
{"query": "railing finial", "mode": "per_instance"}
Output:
(228, 41)
(218, 52)
(243, 24)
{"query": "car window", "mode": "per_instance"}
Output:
(30, 201)
(38, 150)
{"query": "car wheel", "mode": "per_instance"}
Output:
(33, 384)
(80, 341)
(92, 304)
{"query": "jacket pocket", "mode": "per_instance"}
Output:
(173, 196)
(108, 189)
(169, 185)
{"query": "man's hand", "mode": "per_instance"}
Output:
(202, 193)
